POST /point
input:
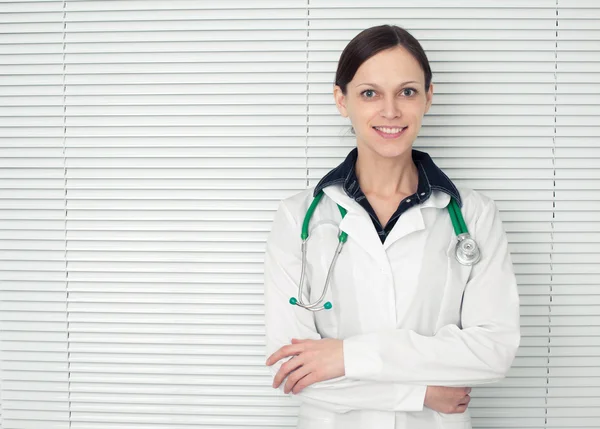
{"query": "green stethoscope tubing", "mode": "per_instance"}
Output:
(467, 251)
(458, 222)
(343, 236)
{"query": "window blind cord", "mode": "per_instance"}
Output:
(64, 143)
(553, 218)
(307, 93)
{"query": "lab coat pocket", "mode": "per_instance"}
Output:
(454, 421)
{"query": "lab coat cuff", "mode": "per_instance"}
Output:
(414, 400)
(361, 361)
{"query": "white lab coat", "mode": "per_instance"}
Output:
(409, 313)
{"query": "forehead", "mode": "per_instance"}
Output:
(390, 66)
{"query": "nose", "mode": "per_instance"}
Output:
(390, 108)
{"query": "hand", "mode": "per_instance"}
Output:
(312, 361)
(448, 400)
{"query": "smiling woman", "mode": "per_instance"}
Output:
(409, 326)
(370, 78)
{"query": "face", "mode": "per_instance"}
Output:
(386, 102)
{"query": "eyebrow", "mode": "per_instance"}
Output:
(377, 86)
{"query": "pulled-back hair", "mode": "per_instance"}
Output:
(373, 40)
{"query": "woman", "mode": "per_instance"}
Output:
(409, 323)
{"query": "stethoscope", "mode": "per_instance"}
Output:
(467, 251)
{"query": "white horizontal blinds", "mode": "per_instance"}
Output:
(490, 128)
(186, 124)
(33, 330)
(574, 377)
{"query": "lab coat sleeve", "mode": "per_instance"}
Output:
(284, 321)
(481, 352)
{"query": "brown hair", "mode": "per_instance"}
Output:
(373, 40)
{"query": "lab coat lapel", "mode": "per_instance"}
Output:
(409, 222)
(412, 220)
(358, 224)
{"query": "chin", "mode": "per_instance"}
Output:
(388, 149)
(394, 152)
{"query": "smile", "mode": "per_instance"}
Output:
(388, 132)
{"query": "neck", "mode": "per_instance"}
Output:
(386, 177)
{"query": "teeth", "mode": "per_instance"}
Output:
(389, 130)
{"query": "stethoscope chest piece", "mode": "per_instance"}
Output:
(467, 251)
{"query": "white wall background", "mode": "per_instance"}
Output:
(144, 146)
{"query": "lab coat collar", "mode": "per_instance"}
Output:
(438, 199)
(358, 224)
(412, 220)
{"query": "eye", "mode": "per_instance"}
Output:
(368, 93)
(414, 91)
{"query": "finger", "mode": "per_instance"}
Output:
(304, 382)
(295, 377)
(276, 356)
(461, 409)
(283, 352)
(297, 341)
(465, 401)
(286, 369)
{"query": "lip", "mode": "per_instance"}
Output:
(390, 136)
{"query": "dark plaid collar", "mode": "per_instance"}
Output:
(430, 177)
